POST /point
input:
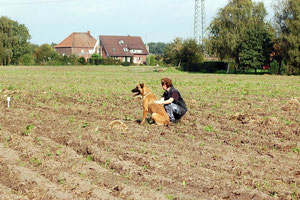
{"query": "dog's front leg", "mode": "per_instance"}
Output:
(145, 112)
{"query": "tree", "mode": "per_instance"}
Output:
(157, 48)
(152, 60)
(26, 59)
(21, 44)
(287, 21)
(255, 48)
(277, 56)
(44, 54)
(233, 22)
(14, 39)
(183, 52)
(191, 53)
(172, 52)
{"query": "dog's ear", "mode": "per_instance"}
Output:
(142, 85)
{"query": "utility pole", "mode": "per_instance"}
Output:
(199, 21)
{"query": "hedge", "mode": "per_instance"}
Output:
(206, 67)
(103, 61)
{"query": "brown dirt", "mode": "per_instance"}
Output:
(74, 151)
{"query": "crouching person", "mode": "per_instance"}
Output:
(172, 101)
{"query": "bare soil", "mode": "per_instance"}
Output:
(58, 146)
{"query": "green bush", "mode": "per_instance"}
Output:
(152, 60)
(54, 63)
(274, 67)
(148, 60)
(95, 61)
(206, 67)
(161, 62)
(125, 63)
(131, 60)
(27, 59)
(103, 61)
(81, 61)
(111, 61)
(69, 60)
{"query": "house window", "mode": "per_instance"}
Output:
(121, 42)
(82, 50)
(136, 51)
(125, 49)
(139, 58)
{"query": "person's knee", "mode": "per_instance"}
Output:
(168, 107)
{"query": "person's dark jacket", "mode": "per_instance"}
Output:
(174, 93)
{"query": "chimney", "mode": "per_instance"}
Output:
(89, 32)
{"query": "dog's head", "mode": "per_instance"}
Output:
(139, 89)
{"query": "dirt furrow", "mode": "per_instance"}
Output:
(7, 193)
(25, 181)
(220, 150)
(79, 175)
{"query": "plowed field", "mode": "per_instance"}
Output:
(73, 133)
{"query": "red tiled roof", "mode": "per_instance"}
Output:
(78, 40)
(115, 49)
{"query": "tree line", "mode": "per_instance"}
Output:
(15, 48)
(239, 35)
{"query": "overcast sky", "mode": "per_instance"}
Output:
(154, 20)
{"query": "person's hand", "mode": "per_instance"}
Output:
(158, 102)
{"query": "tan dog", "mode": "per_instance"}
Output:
(157, 111)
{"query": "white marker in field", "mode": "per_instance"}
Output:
(8, 100)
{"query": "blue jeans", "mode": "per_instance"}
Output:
(174, 111)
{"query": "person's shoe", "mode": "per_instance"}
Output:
(175, 121)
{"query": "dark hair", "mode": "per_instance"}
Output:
(167, 82)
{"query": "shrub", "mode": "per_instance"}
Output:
(206, 67)
(27, 59)
(82, 61)
(55, 63)
(131, 60)
(125, 63)
(148, 60)
(160, 62)
(95, 61)
(274, 67)
(152, 60)
(98, 60)
(110, 61)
